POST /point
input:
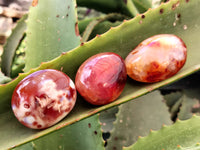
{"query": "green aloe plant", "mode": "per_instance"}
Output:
(52, 40)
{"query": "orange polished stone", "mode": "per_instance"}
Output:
(156, 58)
(101, 78)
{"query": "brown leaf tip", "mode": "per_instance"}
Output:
(34, 3)
(76, 29)
(174, 6)
(98, 35)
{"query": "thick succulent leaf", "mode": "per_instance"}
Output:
(4, 79)
(172, 98)
(85, 135)
(130, 7)
(193, 147)
(103, 27)
(191, 103)
(185, 133)
(107, 118)
(144, 5)
(193, 92)
(49, 36)
(18, 62)
(137, 118)
(11, 45)
(181, 104)
(98, 25)
(121, 40)
(175, 108)
(186, 107)
(126, 7)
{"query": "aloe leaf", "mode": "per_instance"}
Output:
(184, 133)
(190, 103)
(18, 62)
(130, 7)
(127, 7)
(181, 104)
(49, 36)
(137, 118)
(186, 107)
(124, 6)
(4, 79)
(84, 135)
(193, 92)
(144, 5)
(93, 23)
(175, 108)
(12, 44)
(193, 147)
(102, 28)
(107, 118)
(172, 98)
(156, 21)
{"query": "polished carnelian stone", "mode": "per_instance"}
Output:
(156, 58)
(43, 98)
(101, 78)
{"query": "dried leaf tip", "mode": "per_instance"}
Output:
(139, 137)
(98, 35)
(194, 115)
(63, 53)
(124, 20)
(175, 5)
(34, 3)
(76, 29)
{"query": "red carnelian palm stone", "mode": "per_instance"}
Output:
(101, 78)
(43, 98)
(156, 58)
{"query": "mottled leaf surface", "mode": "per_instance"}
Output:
(85, 135)
(185, 133)
(52, 28)
(136, 118)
